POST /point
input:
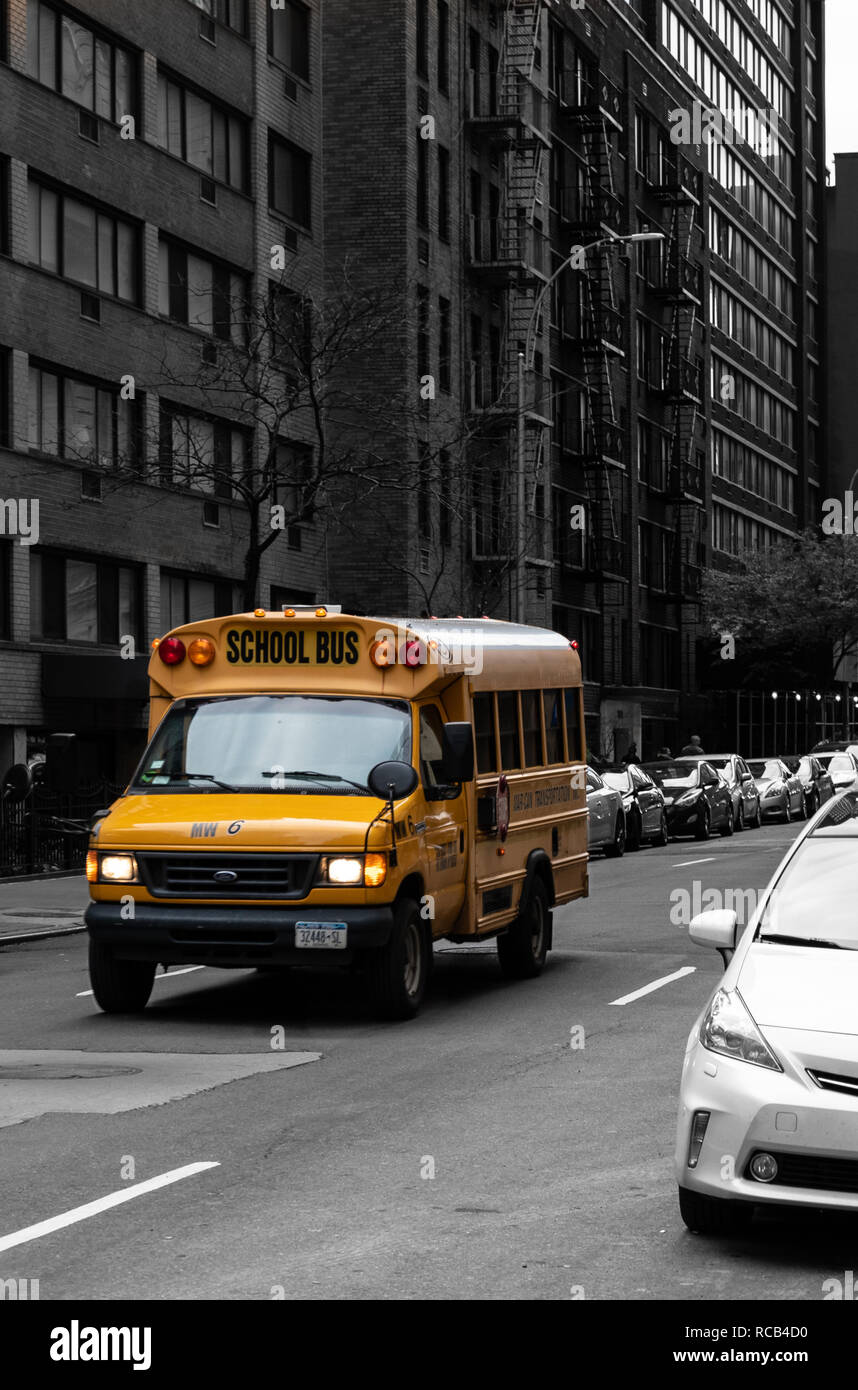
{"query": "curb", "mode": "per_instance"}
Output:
(50, 874)
(20, 937)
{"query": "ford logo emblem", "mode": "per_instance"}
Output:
(225, 876)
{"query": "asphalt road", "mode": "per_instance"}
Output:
(514, 1141)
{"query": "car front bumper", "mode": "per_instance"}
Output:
(243, 935)
(684, 820)
(811, 1132)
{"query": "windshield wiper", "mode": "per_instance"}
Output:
(318, 777)
(201, 777)
(782, 939)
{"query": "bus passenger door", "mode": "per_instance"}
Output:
(443, 840)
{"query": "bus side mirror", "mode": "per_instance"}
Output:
(391, 781)
(457, 753)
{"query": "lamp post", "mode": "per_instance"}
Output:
(525, 363)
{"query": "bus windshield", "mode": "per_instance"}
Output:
(274, 743)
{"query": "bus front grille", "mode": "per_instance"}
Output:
(206, 875)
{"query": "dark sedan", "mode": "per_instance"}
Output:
(696, 799)
(816, 781)
(643, 804)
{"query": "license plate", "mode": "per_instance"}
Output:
(323, 936)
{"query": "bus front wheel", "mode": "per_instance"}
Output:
(119, 986)
(398, 972)
(522, 949)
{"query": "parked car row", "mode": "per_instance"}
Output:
(653, 802)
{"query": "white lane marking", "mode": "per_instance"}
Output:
(114, 1199)
(185, 970)
(686, 863)
(656, 984)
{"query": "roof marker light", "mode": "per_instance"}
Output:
(171, 650)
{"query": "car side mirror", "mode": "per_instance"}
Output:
(457, 752)
(715, 928)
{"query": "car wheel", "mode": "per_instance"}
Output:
(617, 848)
(713, 1216)
(522, 949)
(704, 827)
(757, 819)
(787, 811)
(803, 811)
(398, 972)
(119, 986)
(662, 837)
(740, 817)
(634, 833)
(727, 827)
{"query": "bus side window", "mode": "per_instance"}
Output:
(508, 725)
(532, 728)
(553, 726)
(484, 732)
(573, 724)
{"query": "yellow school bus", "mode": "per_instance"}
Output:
(336, 790)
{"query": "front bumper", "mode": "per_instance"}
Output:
(754, 1109)
(243, 935)
(684, 820)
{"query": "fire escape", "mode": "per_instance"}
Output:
(675, 184)
(509, 254)
(591, 211)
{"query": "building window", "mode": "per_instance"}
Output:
(444, 344)
(422, 181)
(191, 598)
(83, 243)
(200, 453)
(79, 599)
(289, 181)
(290, 316)
(422, 331)
(294, 465)
(443, 193)
(200, 293)
(289, 38)
(443, 46)
(80, 419)
(423, 38)
(445, 489)
(206, 136)
(231, 13)
(87, 67)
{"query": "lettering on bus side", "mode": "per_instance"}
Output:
(542, 796)
(292, 647)
(204, 830)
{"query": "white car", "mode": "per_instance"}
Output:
(842, 768)
(768, 1110)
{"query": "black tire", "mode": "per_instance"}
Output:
(787, 811)
(713, 1216)
(727, 828)
(758, 818)
(704, 829)
(803, 812)
(740, 818)
(617, 848)
(398, 972)
(634, 832)
(119, 986)
(522, 949)
(661, 839)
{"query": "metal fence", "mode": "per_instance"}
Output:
(47, 831)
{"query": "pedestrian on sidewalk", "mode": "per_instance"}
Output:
(693, 747)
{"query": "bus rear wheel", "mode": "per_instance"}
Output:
(522, 950)
(119, 986)
(398, 972)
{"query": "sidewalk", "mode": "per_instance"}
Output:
(42, 907)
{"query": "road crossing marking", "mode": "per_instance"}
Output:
(113, 1199)
(656, 984)
(185, 970)
(686, 863)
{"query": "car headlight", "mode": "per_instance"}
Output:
(350, 870)
(774, 790)
(728, 1028)
(111, 868)
(687, 798)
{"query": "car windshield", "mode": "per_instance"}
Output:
(674, 775)
(274, 743)
(620, 781)
(841, 762)
(812, 900)
(765, 770)
(722, 764)
(805, 767)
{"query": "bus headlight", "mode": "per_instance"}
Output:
(353, 869)
(117, 868)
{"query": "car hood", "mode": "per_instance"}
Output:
(243, 822)
(800, 987)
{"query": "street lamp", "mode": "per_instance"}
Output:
(525, 362)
